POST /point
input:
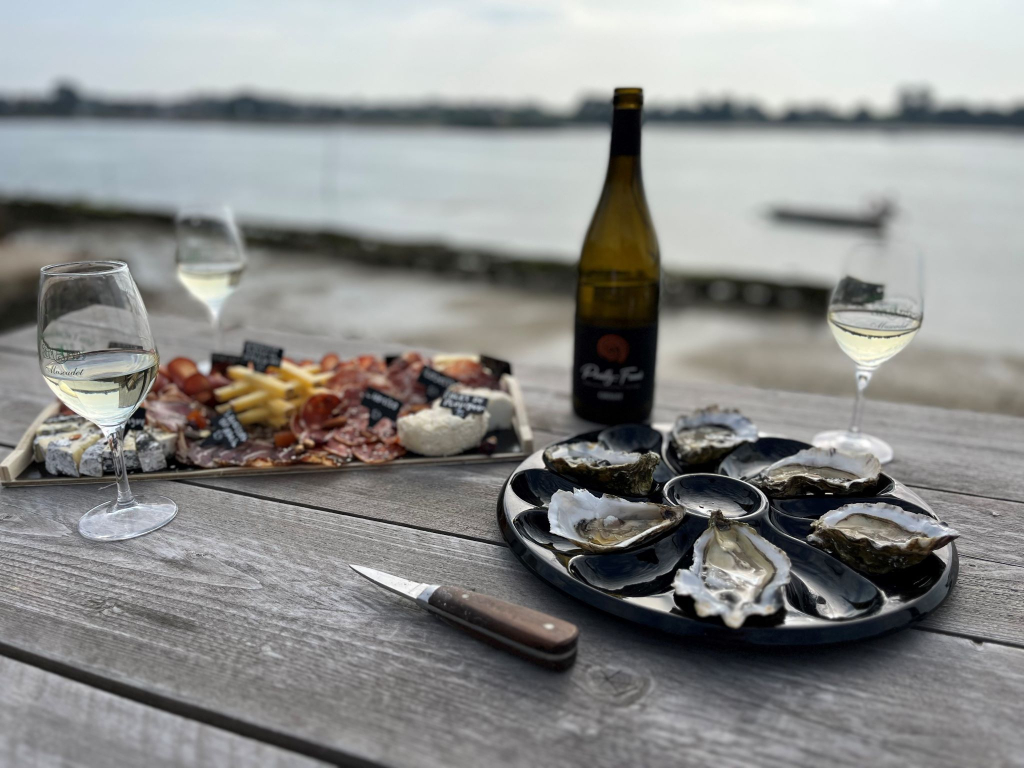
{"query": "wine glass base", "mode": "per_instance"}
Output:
(854, 442)
(111, 522)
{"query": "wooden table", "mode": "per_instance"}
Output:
(238, 635)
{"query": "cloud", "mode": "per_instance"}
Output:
(781, 50)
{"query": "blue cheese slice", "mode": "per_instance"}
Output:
(92, 463)
(64, 454)
(168, 441)
(58, 427)
(131, 456)
(150, 453)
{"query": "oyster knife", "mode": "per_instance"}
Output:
(535, 636)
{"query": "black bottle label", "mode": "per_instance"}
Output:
(614, 367)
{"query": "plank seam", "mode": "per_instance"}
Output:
(181, 708)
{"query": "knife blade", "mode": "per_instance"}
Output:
(535, 636)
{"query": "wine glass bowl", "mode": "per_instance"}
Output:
(874, 312)
(210, 256)
(98, 356)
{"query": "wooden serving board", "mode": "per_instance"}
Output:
(20, 468)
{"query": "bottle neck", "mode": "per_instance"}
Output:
(624, 162)
(626, 133)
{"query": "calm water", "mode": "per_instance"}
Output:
(961, 195)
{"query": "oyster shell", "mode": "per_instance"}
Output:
(819, 470)
(736, 573)
(608, 523)
(604, 468)
(710, 433)
(878, 538)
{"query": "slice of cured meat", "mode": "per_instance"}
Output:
(180, 369)
(318, 409)
(338, 449)
(170, 415)
(378, 453)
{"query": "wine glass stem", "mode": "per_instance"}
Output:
(217, 332)
(863, 378)
(115, 438)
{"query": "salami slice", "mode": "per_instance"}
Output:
(195, 384)
(350, 434)
(318, 409)
(179, 369)
(384, 429)
(338, 449)
(378, 453)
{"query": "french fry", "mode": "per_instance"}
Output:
(256, 415)
(244, 402)
(279, 407)
(232, 390)
(303, 378)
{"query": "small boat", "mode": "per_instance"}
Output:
(876, 217)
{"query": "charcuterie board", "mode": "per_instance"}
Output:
(338, 415)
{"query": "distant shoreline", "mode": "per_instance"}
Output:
(697, 125)
(915, 107)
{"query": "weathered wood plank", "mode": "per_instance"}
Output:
(47, 720)
(246, 607)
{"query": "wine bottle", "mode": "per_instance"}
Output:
(618, 286)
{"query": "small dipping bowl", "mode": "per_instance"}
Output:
(701, 493)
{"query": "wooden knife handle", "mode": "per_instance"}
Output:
(536, 636)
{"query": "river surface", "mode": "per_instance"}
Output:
(531, 192)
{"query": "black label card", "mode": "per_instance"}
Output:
(261, 355)
(137, 420)
(381, 405)
(496, 366)
(123, 345)
(435, 382)
(462, 404)
(219, 362)
(227, 431)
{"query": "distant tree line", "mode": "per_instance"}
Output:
(914, 105)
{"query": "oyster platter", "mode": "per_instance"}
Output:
(708, 528)
(263, 412)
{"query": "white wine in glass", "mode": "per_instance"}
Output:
(875, 311)
(210, 256)
(98, 356)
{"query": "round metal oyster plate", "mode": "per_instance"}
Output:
(826, 601)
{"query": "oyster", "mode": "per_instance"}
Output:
(608, 523)
(604, 468)
(736, 573)
(819, 470)
(710, 433)
(878, 538)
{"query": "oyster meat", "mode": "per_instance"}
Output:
(598, 466)
(710, 433)
(879, 538)
(736, 573)
(819, 470)
(608, 523)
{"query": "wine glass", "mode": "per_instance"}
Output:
(97, 354)
(210, 257)
(876, 309)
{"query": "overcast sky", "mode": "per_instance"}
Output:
(549, 51)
